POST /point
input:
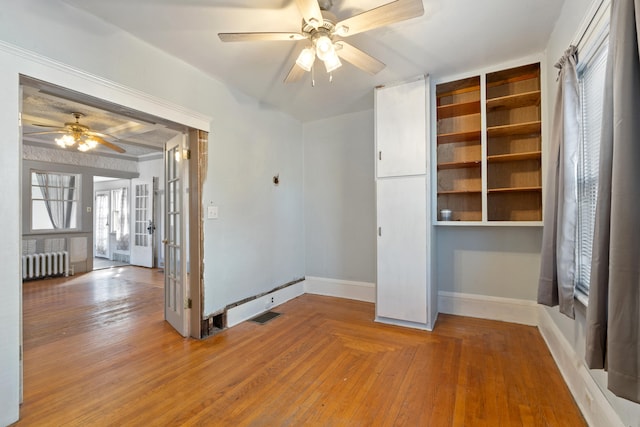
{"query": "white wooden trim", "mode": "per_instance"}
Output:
(485, 307)
(594, 405)
(246, 311)
(361, 291)
(406, 324)
(93, 85)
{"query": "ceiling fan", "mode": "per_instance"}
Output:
(76, 133)
(324, 33)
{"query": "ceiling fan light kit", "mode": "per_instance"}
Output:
(321, 28)
(79, 135)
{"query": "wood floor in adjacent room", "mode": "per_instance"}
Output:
(97, 352)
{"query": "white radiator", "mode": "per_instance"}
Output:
(46, 264)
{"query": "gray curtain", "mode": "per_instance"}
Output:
(57, 191)
(613, 314)
(557, 269)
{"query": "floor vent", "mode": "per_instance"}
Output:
(265, 317)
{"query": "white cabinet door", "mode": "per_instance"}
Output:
(400, 113)
(402, 249)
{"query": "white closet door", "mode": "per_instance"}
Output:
(401, 129)
(402, 249)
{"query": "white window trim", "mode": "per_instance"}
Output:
(78, 201)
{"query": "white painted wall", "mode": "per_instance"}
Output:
(258, 242)
(492, 261)
(339, 202)
(567, 27)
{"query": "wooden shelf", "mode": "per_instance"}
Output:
(511, 75)
(514, 129)
(533, 155)
(446, 138)
(460, 109)
(451, 192)
(460, 165)
(514, 101)
(513, 190)
(459, 124)
(470, 84)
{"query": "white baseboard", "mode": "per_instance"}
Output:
(486, 307)
(249, 309)
(361, 291)
(404, 323)
(594, 405)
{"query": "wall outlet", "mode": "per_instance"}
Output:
(271, 300)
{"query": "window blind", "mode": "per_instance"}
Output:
(592, 77)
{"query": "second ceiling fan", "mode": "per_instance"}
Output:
(324, 33)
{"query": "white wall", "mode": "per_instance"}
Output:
(492, 261)
(339, 192)
(258, 242)
(565, 32)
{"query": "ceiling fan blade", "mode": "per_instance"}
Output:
(310, 11)
(246, 37)
(98, 134)
(360, 59)
(107, 144)
(386, 14)
(295, 74)
(48, 132)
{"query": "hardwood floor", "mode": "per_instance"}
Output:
(97, 352)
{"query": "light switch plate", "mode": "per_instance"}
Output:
(212, 212)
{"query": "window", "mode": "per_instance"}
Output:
(591, 74)
(54, 201)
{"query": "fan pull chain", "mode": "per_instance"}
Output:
(313, 77)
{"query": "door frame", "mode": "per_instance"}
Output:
(21, 64)
(197, 145)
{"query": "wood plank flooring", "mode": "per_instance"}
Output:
(97, 352)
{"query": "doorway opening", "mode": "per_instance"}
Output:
(126, 223)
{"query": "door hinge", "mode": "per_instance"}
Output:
(380, 155)
(19, 119)
(186, 154)
(188, 303)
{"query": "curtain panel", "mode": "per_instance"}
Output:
(613, 313)
(557, 269)
(58, 192)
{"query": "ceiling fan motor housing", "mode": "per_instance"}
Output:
(327, 28)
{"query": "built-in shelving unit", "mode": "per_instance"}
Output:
(459, 148)
(514, 158)
(489, 156)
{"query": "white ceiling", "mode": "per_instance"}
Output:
(453, 36)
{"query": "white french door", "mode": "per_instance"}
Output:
(175, 274)
(142, 223)
(101, 225)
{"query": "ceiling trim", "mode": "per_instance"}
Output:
(113, 92)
